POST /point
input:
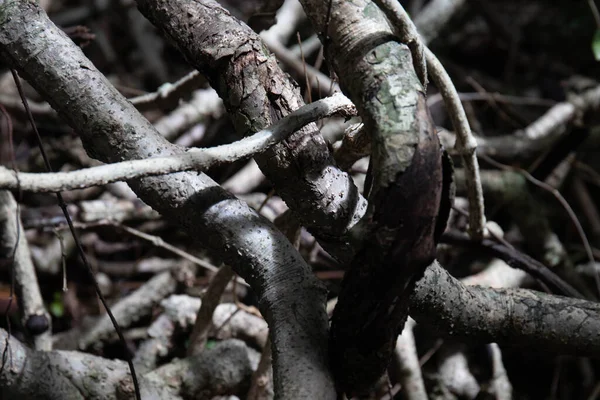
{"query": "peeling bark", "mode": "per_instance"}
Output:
(398, 237)
(256, 92)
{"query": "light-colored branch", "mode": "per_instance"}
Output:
(537, 136)
(179, 314)
(500, 385)
(434, 17)
(205, 103)
(318, 80)
(248, 178)
(289, 16)
(407, 364)
(309, 46)
(454, 373)
(465, 143)
(14, 246)
(197, 159)
(228, 320)
(560, 114)
(496, 275)
(169, 92)
(132, 308)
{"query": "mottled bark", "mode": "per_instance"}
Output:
(399, 233)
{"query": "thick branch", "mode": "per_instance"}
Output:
(112, 130)
(465, 143)
(256, 92)
(59, 375)
(408, 185)
(513, 317)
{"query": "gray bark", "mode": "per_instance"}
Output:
(256, 92)
(513, 317)
(71, 375)
(112, 130)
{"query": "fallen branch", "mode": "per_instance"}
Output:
(513, 317)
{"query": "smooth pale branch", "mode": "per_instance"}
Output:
(193, 159)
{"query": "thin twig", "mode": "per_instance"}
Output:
(465, 143)
(288, 57)
(168, 92)
(308, 91)
(515, 259)
(563, 202)
(198, 159)
(84, 259)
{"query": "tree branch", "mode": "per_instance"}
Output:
(409, 196)
(34, 316)
(193, 159)
(256, 92)
(513, 317)
(59, 375)
(112, 130)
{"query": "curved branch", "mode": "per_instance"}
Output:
(465, 143)
(256, 92)
(409, 195)
(112, 130)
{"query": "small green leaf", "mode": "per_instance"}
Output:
(56, 307)
(210, 344)
(596, 45)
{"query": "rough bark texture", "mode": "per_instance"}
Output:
(256, 93)
(407, 188)
(513, 317)
(290, 297)
(71, 375)
(14, 247)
